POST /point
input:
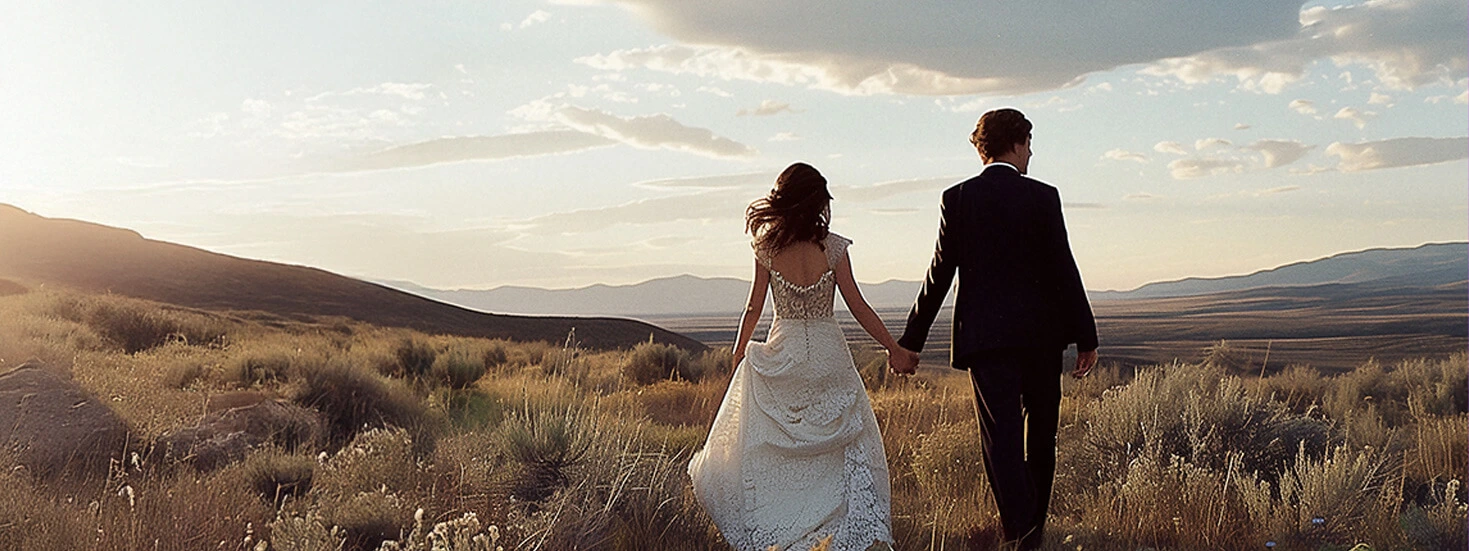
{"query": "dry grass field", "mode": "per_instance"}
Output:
(445, 442)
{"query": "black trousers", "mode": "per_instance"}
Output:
(1017, 394)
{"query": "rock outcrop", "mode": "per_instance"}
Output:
(54, 428)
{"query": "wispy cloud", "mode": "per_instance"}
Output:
(474, 148)
(768, 108)
(1192, 168)
(1280, 152)
(1303, 106)
(658, 131)
(1124, 155)
(1205, 144)
(1398, 152)
(884, 190)
(1174, 148)
(1356, 116)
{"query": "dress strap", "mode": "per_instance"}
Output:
(836, 248)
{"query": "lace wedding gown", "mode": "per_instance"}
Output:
(794, 455)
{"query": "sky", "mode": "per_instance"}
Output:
(572, 142)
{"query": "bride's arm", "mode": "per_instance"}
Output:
(753, 308)
(858, 306)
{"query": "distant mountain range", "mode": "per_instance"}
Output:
(1423, 266)
(36, 251)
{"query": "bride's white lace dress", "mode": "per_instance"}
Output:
(795, 455)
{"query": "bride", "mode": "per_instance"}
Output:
(794, 456)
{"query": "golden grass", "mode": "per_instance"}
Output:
(558, 447)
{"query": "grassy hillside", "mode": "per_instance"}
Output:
(41, 251)
(548, 446)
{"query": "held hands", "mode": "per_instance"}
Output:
(902, 361)
(1084, 363)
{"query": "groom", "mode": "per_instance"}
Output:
(1020, 303)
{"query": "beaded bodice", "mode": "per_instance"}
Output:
(812, 301)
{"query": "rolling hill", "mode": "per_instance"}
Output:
(1424, 266)
(35, 250)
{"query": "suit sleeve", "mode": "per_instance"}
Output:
(940, 277)
(1077, 310)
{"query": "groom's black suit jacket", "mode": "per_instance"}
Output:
(1018, 284)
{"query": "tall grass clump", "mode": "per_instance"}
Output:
(276, 476)
(459, 367)
(546, 443)
(135, 325)
(354, 399)
(414, 359)
(650, 362)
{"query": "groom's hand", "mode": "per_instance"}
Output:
(903, 361)
(1085, 361)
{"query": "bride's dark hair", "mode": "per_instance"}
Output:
(795, 210)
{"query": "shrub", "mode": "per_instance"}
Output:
(368, 519)
(259, 368)
(459, 367)
(546, 443)
(181, 375)
(373, 460)
(276, 476)
(352, 399)
(650, 362)
(495, 355)
(136, 326)
(415, 358)
(1439, 525)
(461, 534)
(712, 363)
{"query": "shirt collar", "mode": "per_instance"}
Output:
(999, 163)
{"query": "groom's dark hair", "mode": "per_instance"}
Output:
(999, 131)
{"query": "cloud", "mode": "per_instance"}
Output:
(1170, 147)
(785, 137)
(1303, 106)
(726, 203)
(1280, 152)
(1358, 118)
(1398, 152)
(1140, 196)
(406, 90)
(648, 132)
(884, 190)
(715, 90)
(767, 108)
(1406, 43)
(1241, 126)
(475, 148)
(1277, 190)
(937, 47)
(1379, 99)
(1124, 155)
(536, 17)
(754, 180)
(1211, 143)
(1191, 168)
